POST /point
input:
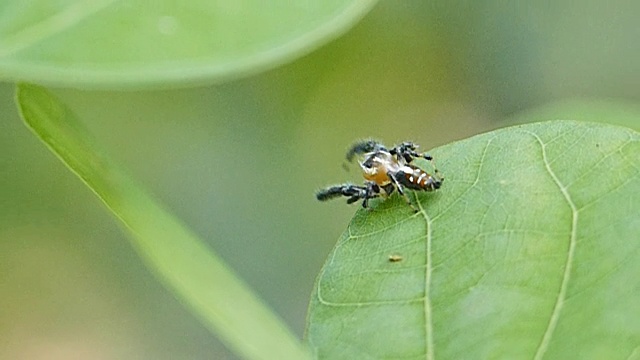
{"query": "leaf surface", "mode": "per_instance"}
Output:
(111, 43)
(530, 250)
(196, 276)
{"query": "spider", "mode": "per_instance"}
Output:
(386, 170)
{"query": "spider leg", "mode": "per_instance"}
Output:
(363, 147)
(352, 199)
(389, 188)
(353, 192)
(436, 173)
(395, 182)
(407, 151)
(330, 192)
(348, 190)
(372, 190)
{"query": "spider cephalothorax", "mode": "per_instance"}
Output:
(387, 170)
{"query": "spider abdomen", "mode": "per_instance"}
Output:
(417, 179)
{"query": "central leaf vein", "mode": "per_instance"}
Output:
(562, 294)
(427, 296)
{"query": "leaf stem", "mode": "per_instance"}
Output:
(178, 257)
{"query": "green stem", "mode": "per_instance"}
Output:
(180, 260)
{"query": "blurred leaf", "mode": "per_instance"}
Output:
(188, 268)
(108, 43)
(609, 111)
(531, 249)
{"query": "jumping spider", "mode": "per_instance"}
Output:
(387, 170)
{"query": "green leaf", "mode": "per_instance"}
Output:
(186, 266)
(109, 43)
(530, 250)
(609, 111)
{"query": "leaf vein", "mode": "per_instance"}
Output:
(475, 182)
(396, 224)
(560, 299)
(597, 163)
(430, 353)
(366, 303)
(635, 354)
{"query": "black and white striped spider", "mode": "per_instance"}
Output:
(387, 170)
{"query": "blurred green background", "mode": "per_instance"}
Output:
(240, 162)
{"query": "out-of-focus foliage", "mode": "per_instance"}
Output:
(242, 160)
(623, 113)
(180, 259)
(107, 43)
(527, 251)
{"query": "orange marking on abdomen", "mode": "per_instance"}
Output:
(379, 178)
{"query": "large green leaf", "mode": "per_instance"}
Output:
(530, 250)
(182, 261)
(110, 43)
